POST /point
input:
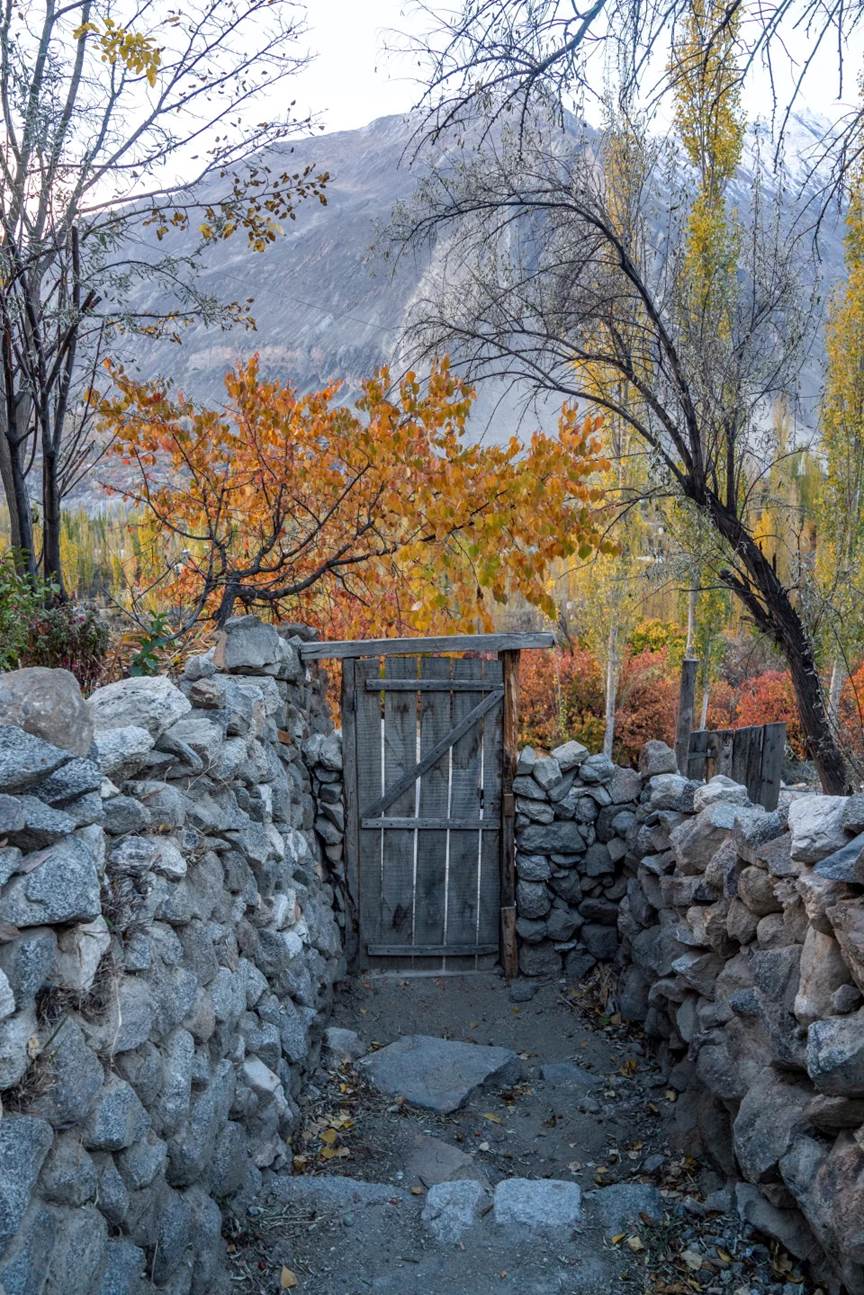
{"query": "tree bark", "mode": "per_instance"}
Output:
(611, 687)
(51, 515)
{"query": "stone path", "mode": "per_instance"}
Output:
(484, 1145)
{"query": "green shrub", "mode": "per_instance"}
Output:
(35, 629)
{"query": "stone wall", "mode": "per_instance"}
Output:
(574, 814)
(170, 914)
(740, 950)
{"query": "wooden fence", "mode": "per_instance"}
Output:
(752, 756)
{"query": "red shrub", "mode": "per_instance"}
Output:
(722, 705)
(647, 703)
(561, 697)
(768, 698)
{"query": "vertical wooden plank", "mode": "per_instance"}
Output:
(773, 752)
(368, 720)
(686, 707)
(400, 753)
(435, 723)
(465, 803)
(724, 756)
(509, 756)
(753, 773)
(352, 818)
(740, 751)
(489, 916)
(713, 747)
(697, 757)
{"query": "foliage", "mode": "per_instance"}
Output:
(152, 639)
(289, 502)
(654, 635)
(560, 697)
(647, 703)
(38, 630)
(770, 698)
(20, 601)
(66, 636)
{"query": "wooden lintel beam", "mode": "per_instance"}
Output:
(426, 646)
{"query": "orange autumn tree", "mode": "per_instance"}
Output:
(296, 504)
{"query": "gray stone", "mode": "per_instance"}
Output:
(70, 781)
(826, 1112)
(124, 1269)
(533, 867)
(696, 840)
(125, 814)
(670, 791)
(577, 963)
(570, 755)
(122, 750)
(247, 644)
(623, 1206)
(34, 824)
(431, 1160)
(143, 1161)
(26, 759)
(754, 829)
(656, 757)
(770, 1115)
(16, 1033)
(343, 1045)
(545, 1206)
(853, 814)
(172, 1234)
(598, 860)
(561, 923)
(439, 1074)
(452, 1208)
(720, 788)
(7, 997)
(118, 1118)
(532, 899)
(845, 864)
(10, 859)
(528, 789)
(546, 772)
(522, 991)
(601, 942)
(12, 817)
(781, 1225)
(63, 886)
(847, 923)
(69, 1174)
(24, 1144)
(112, 1192)
(48, 704)
(845, 1000)
(562, 837)
(80, 950)
(151, 703)
(625, 786)
(816, 824)
(129, 1018)
(597, 769)
(835, 1055)
(756, 890)
(526, 761)
(823, 971)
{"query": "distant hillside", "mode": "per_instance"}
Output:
(326, 307)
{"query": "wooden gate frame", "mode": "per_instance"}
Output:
(507, 647)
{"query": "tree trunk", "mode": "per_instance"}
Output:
(768, 601)
(686, 707)
(51, 509)
(611, 687)
(18, 503)
(838, 675)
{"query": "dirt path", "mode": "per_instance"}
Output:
(590, 1108)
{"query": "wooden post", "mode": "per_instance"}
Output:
(509, 756)
(697, 757)
(773, 751)
(686, 708)
(352, 813)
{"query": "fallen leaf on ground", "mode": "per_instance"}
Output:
(287, 1280)
(490, 1115)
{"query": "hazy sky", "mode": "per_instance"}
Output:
(353, 80)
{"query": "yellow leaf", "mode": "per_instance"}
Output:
(329, 1136)
(490, 1115)
(287, 1280)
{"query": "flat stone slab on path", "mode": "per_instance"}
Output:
(542, 1205)
(329, 1192)
(438, 1074)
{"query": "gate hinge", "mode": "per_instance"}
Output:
(508, 805)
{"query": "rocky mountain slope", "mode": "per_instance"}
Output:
(329, 304)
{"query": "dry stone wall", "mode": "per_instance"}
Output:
(170, 929)
(739, 940)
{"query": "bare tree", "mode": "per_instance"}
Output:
(539, 283)
(106, 106)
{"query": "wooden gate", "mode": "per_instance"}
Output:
(430, 745)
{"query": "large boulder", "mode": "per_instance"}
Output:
(153, 704)
(438, 1074)
(816, 824)
(657, 757)
(26, 759)
(822, 972)
(695, 840)
(835, 1055)
(770, 1114)
(62, 886)
(48, 704)
(847, 922)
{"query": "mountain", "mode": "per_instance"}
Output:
(328, 304)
